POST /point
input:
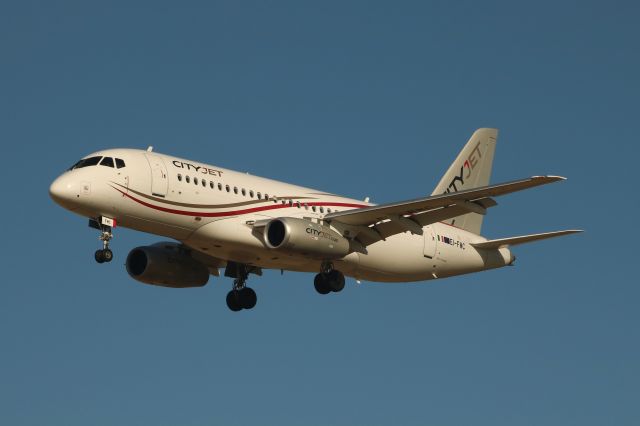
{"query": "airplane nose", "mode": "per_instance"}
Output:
(61, 191)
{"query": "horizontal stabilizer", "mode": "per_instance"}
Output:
(512, 241)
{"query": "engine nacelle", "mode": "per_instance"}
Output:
(166, 265)
(303, 237)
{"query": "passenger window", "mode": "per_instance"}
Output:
(251, 194)
(298, 204)
(179, 177)
(211, 185)
(220, 186)
(313, 208)
(259, 196)
(306, 206)
(321, 209)
(195, 180)
(107, 161)
(290, 203)
(244, 193)
(119, 163)
(235, 189)
(187, 179)
(228, 188)
(328, 210)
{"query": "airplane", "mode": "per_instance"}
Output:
(224, 219)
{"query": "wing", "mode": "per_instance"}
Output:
(371, 224)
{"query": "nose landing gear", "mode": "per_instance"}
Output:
(105, 226)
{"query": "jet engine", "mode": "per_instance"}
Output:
(166, 265)
(303, 237)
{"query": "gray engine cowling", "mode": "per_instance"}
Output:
(303, 237)
(166, 265)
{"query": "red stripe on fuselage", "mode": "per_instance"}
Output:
(233, 212)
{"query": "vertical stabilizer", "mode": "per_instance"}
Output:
(471, 169)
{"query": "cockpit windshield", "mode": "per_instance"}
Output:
(94, 161)
(86, 162)
(107, 161)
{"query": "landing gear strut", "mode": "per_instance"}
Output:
(106, 234)
(241, 296)
(328, 280)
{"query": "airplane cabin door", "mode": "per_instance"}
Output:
(159, 178)
(429, 242)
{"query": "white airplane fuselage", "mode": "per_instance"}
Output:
(212, 210)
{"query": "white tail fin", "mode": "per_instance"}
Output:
(471, 169)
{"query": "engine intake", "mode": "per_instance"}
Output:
(303, 237)
(166, 265)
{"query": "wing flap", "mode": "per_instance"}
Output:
(512, 241)
(368, 235)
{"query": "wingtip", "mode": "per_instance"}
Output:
(570, 231)
(556, 177)
(551, 178)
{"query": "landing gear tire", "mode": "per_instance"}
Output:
(321, 284)
(107, 255)
(248, 298)
(233, 300)
(329, 281)
(104, 255)
(335, 281)
(245, 298)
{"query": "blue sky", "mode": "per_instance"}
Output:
(359, 98)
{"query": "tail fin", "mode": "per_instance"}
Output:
(471, 169)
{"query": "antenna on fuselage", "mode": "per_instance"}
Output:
(150, 148)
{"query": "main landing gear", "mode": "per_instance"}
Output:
(240, 297)
(106, 234)
(329, 280)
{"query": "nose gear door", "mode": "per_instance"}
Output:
(159, 179)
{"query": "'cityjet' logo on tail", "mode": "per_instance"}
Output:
(470, 163)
